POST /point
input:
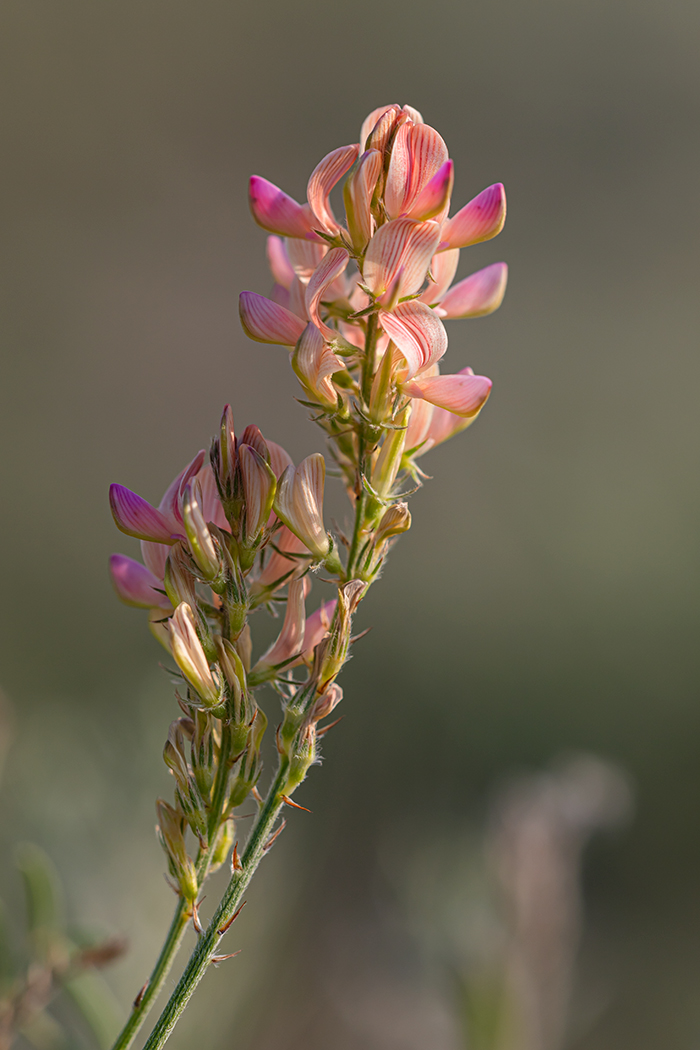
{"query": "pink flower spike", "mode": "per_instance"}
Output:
(357, 195)
(443, 268)
(402, 243)
(418, 333)
(417, 154)
(136, 585)
(267, 322)
(477, 295)
(323, 178)
(134, 516)
(332, 266)
(314, 363)
(278, 261)
(464, 394)
(276, 212)
(435, 194)
(317, 626)
(480, 220)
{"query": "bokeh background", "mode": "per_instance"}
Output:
(546, 600)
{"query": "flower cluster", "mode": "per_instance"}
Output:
(361, 306)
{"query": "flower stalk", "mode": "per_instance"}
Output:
(360, 308)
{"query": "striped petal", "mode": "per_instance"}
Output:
(276, 212)
(299, 503)
(278, 261)
(329, 269)
(323, 178)
(480, 220)
(314, 363)
(357, 194)
(417, 154)
(304, 257)
(418, 333)
(136, 585)
(134, 516)
(435, 194)
(402, 245)
(464, 394)
(267, 322)
(387, 115)
(259, 489)
(170, 503)
(477, 295)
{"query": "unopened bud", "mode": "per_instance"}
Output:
(303, 756)
(299, 503)
(332, 653)
(259, 484)
(389, 460)
(190, 656)
(201, 544)
(222, 848)
(326, 703)
(170, 831)
(396, 519)
(179, 581)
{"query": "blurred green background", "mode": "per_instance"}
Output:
(547, 597)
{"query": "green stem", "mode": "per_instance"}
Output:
(183, 913)
(231, 901)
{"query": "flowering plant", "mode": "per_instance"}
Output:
(361, 308)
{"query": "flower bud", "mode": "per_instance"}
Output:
(326, 703)
(201, 544)
(299, 503)
(190, 657)
(259, 484)
(396, 519)
(332, 653)
(179, 582)
(222, 848)
(170, 831)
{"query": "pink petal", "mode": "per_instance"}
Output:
(417, 332)
(297, 300)
(369, 127)
(276, 212)
(330, 268)
(443, 267)
(211, 504)
(278, 261)
(401, 244)
(155, 556)
(135, 585)
(478, 295)
(170, 503)
(415, 115)
(358, 193)
(417, 154)
(267, 322)
(463, 393)
(480, 220)
(279, 459)
(304, 257)
(435, 194)
(323, 178)
(134, 516)
(418, 423)
(317, 626)
(280, 295)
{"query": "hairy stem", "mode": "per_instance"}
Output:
(208, 943)
(183, 913)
